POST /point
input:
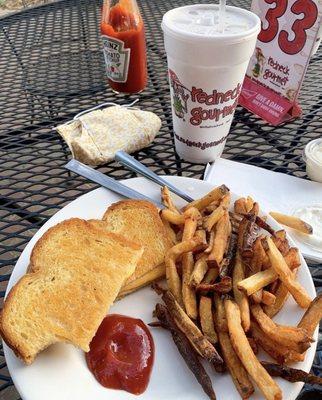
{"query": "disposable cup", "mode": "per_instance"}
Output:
(206, 73)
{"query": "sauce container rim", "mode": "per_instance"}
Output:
(307, 153)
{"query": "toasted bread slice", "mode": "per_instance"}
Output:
(136, 220)
(139, 220)
(67, 298)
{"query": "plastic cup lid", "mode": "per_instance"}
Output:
(200, 22)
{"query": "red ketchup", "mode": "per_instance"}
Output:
(121, 354)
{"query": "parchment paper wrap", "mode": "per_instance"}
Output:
(95, 137)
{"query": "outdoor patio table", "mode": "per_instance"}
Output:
(51, 67)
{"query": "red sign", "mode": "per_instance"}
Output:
(284, 47)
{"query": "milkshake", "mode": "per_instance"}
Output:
(207, 61)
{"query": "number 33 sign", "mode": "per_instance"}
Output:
(306, 12)
(284, 47)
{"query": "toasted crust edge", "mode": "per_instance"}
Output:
(7, 339)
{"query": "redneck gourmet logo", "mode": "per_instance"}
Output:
(182, 97)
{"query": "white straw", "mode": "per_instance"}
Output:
(222, 11)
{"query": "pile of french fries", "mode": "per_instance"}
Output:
(227, 275)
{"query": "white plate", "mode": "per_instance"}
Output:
(60, 372)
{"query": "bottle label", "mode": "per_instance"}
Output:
(117, 59)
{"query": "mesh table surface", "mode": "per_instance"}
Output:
(51, 67)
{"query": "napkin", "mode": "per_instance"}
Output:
(96, 136)
(274, 191)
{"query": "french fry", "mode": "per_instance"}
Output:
(238, 373)
(282, 245)
(281, 295)
(173, 279)
(312, 316)
(292, 258)
(257, 297)
(225, 200)
(292, 222)
(255, 209)
(293, 356)
(240, 297)
(285, 275)
(172, 217)
(224, 286)
(206, 319)
(274, 286)
(169, 230)
(226, 265)
(288, 336)
(247, 233)
(186, 350)
(262, 224)
(192, 215)
(257, 281)
(167, 200)
(214, 217)
(258, 259)
(210, 242)
(267, 344)
(240, 206)
(212, 206)
(266, 262)
(220, 315)
(192, 332)
(214, 195)
(144, 280)
(253, 344)
(222, 234)
(235, 220)
(201, 234)
(291, 374)
(211, 275)
(199, 271)
(281, 234)
(266, 384)
(280, 241)
(249, 203)
(188, 294)
(268, 298)
(241, 230)
(280, 353)
(256, 264)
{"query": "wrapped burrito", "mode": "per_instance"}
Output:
(96, 136)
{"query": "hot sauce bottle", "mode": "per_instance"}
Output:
(124, 46)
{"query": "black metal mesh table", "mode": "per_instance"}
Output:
(51, 68)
